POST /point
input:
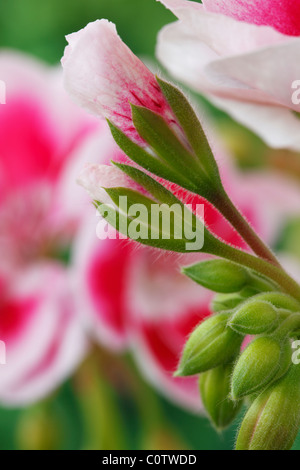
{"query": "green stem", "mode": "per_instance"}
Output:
(224, 204)
(276, 274)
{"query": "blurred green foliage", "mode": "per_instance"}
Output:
(39, 27)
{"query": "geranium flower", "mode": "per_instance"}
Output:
(131, 296)
(135, 297)
(40, 134)
(244, 56)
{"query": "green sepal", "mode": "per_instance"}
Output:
(144, 159)
(214, 388)
(224, 302)
(211, 344)
(192, 128)
(165, 143)
(218, 275)
(255, 317)
(256, 367)
(272, 421)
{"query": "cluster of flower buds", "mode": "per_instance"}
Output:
(262, 372)
(170, 158)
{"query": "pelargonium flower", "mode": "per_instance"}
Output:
(40, 328)
(244, 56)
(40, 134)
(134, 297)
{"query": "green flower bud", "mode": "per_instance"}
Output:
(223, 302)
(218, 275)
(215, 388)
(285, 359)
(254, 318)
(272, 422)
(256, 367)
(211, 344)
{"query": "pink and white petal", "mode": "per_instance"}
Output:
(274, 199)
(283, 15)
(277, 126)
(183, 391)
(39, 121)
(187, 51)
(99, 278)
(44, 341)
(96, 178)
(278, 68)
(160, 299)
(104, 76)
(99, 147)
(211, 29)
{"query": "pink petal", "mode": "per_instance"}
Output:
(241, 74)
(94, 178)
(100, 281)
(44, 343)
(39, 125)
(278, 68)
(277, 126)
(283, 15)
(104, 76)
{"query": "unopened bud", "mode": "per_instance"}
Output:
(254, 317)
(218, 275)
(256, 367)
(222, 302)
(215, 389)
(272, 421)
(211, 344)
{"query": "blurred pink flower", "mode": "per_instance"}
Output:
(244, 56)
(135, 297)
(40, 133)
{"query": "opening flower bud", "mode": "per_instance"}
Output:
(272, 422)
(211, 344)
(218, 275)
(215, 388)
(254, 317)
(256, 367)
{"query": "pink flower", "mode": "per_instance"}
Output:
(135, 297)
(40, 134)
(244, 56)
(105, 77)
(43, 336)
(132, 296)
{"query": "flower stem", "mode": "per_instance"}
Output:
(276, 274)
(224, 204)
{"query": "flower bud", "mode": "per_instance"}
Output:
(256, 367)
(218, 275)
(211, 344)
(272, 421)
(254, 317)
(223, 302)
(215, 388)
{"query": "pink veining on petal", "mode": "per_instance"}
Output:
(283, 15)
(96, 177)
(103, 75)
